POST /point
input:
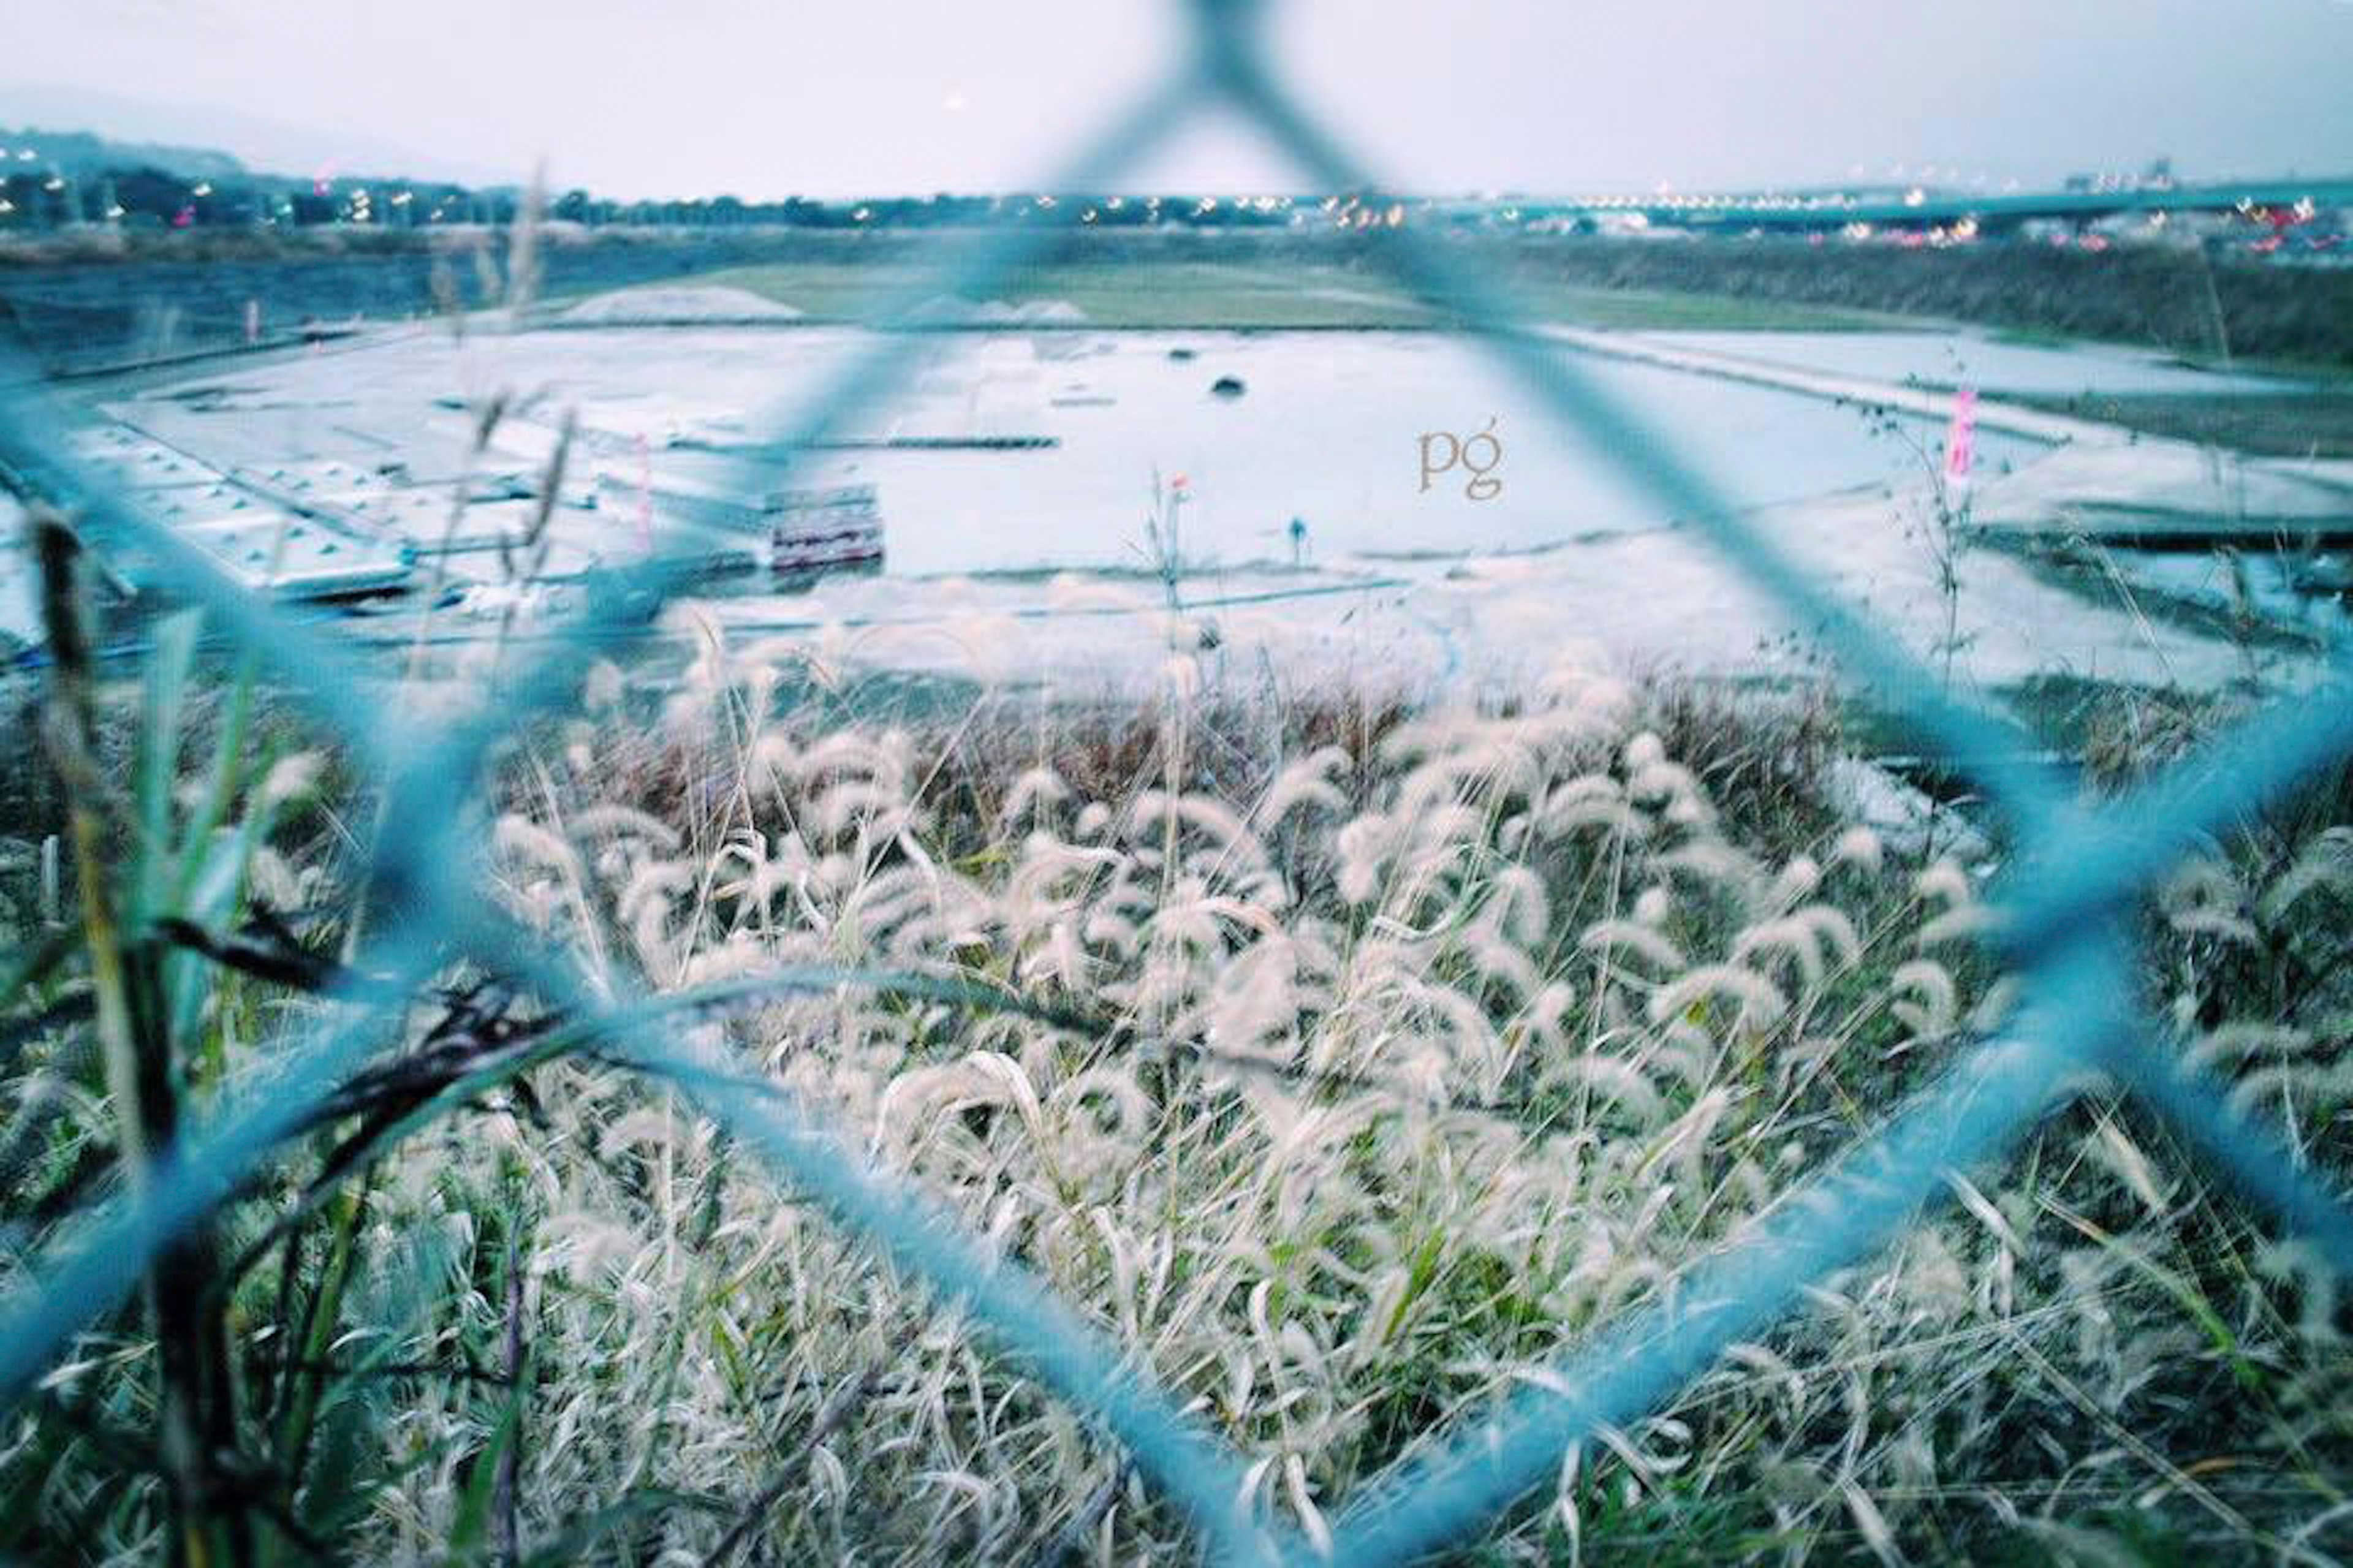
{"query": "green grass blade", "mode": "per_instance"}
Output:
(163, 710)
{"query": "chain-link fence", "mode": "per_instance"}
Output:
(2063, 928)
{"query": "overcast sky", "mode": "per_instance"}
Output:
(767, 98)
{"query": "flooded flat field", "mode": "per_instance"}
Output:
(1327, 429)
(1010, 466)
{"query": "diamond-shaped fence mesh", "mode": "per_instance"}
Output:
(2065, 913)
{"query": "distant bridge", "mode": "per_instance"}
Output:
(1922, 208)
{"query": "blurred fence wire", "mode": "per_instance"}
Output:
(2065, 907)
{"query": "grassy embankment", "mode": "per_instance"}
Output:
(2269, 321)
(1262, 293)
(1424, 1043)
(2317, 424)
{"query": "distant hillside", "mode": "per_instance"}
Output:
(78, 153)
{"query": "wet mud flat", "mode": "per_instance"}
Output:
(1013, 479)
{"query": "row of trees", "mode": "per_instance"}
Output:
(155, 198)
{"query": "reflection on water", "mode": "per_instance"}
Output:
(1326, 430)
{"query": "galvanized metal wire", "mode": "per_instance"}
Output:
(2064, 909)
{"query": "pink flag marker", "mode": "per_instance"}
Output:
(645, 495)
(1960, 436)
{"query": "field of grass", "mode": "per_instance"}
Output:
(1264, 293)
(1141, 294)
(1392, 1052)
(2316, 423)
(2291, 317)
(2180, 300)
(2253, 314)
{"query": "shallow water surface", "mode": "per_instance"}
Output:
(1329, 429)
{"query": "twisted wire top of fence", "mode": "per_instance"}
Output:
(2062, 913)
